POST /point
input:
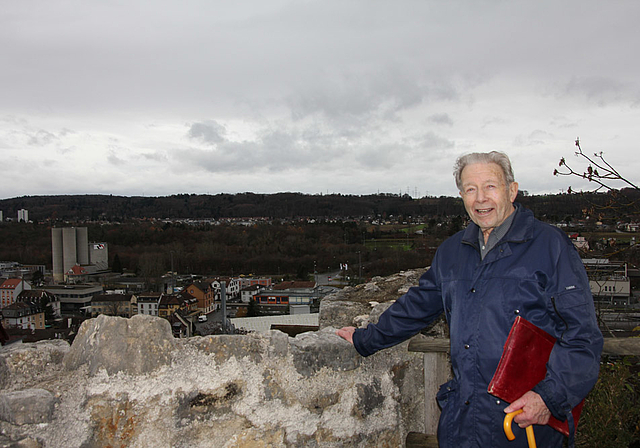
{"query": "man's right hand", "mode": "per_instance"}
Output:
(346, 333)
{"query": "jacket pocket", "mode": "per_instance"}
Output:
(446, 392)
(447, 430)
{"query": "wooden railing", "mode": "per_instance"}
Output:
(437, 370)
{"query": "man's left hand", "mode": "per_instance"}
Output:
(534, 410)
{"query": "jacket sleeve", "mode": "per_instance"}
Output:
(574, 363)
(420, 306)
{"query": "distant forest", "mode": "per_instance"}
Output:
(285, 245)
(276, 206)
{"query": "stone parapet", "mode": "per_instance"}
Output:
(127, 382)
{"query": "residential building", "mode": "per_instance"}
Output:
(24, 316)
(12, 269)
(169, 304)
(148, 303)
(579, 242)
(123, 305)
(205, 294)
(250, 281)
(247, 293)
(231, 287)
(183, 301)
(23, 215)
(40, 296)
(9, 290)
(189, 306)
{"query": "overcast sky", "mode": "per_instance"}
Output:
(153, 98)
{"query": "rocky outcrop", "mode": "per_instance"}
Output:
(128, 382)
(134, 346)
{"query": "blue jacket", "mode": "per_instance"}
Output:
(534, 272)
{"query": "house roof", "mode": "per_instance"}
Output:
(10, 283)
(146, 295)
(294, 285)
(19, 309)
(77, 270)
(170, 299)
(202, 286)
(185, 295)
(17, 306)
(35, 294)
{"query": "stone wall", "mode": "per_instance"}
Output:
(128, 382)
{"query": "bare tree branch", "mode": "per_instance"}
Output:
(599, 171)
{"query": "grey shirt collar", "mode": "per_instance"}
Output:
(495, 236)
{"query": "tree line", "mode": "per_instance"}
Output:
(275, 247)
(273, 206)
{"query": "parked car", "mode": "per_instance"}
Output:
(202, 318)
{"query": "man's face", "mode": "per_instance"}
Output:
(487, 198)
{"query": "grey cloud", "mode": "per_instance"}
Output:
(66, 149)
(113, 159)
(600, 90)
(535, 138)
(41, 138)
(273, 151)
(490, 121)
(383, 156)
(441, 119)
(433, 141)
(209, 132)
(154, 156)
(230, 157)
(360, 95)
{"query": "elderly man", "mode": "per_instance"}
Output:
(504, 264)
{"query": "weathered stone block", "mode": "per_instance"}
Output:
(225, 346)
(338, 311)
(206, 404)
(23, 442)
(26, 406)
(313, 351)
(369, 397)
(23, 364)
(136, 346)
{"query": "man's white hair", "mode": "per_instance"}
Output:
(499, 158)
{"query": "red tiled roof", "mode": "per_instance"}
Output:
(77, 270)
(10, 283)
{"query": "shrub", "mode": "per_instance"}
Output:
(611, 414)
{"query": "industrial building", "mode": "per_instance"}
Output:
(71, 247)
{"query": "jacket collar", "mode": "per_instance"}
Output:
(521, 229)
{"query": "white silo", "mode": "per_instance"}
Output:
(69, 248)
(82, 246)
(56, 251)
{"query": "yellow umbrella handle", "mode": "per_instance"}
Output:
(509, 433)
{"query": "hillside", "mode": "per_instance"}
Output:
(277, 206)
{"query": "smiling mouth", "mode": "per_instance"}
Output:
(483, 211)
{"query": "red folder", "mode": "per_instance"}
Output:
(524, 364)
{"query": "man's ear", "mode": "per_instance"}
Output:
(513, 191)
